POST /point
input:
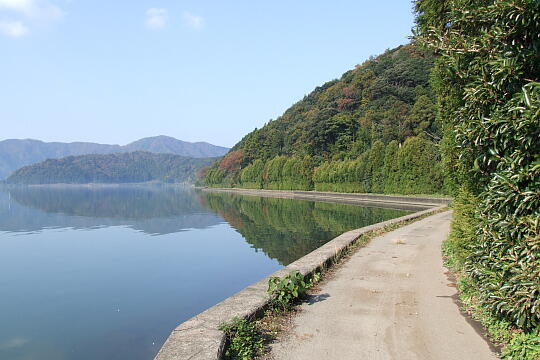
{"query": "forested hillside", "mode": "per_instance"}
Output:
(132, 167)
(372, 130)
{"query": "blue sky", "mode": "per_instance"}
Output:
(116, 71)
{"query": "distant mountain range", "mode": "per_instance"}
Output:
(15, 153)
(131, 167)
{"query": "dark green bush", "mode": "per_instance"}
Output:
(462, 237)
(487, 81)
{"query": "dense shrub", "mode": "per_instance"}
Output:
(487, 82)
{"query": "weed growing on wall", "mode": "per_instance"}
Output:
(245, 340)
(286, 291)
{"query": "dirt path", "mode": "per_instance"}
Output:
(391, 300)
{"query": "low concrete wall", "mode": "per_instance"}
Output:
(386, 201)
(383, 198)
(199, 337)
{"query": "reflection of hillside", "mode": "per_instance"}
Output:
(284, 229)
(125, 202)
(152, 209)
(288, 229)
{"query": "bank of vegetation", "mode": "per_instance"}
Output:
(372, 130)
(134, 167)
(486, 79)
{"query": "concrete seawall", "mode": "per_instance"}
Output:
(199, 338)
(393, 201)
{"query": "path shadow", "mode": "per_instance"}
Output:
(312, 299)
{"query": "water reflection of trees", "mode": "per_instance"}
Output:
(283, 229)
(152, 209)
(126, 202)
(288, 229)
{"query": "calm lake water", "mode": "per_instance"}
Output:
(106, 272)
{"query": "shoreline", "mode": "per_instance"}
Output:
(199, 338)
(403, 202)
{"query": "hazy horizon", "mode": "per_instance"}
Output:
(122, 144)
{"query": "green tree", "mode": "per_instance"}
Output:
(417, 170)
(272, 174)
(376, 166)
(252, 175)
(390, 168)
(422, 119)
